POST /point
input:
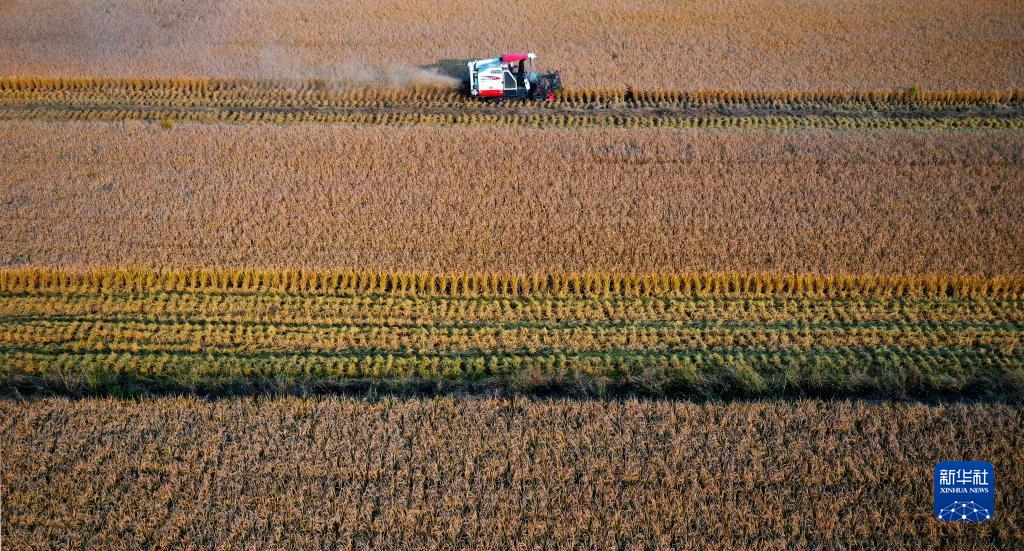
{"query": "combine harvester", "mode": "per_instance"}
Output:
(511, 76)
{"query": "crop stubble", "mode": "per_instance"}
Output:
(496, 474)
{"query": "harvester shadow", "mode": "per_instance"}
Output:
(527, 385)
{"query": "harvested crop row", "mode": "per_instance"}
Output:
(58, 336)
(680, 335)
(891, 372)
(406, 310)
(285, 93)
(331, 282)
(241, 101)
(443, 473)
(257, 115)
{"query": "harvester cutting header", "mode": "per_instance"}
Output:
(512, 76)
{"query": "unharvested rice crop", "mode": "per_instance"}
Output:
(732, 200)
(82, 195)
(664, 44)
(497, 474)
(681, 335)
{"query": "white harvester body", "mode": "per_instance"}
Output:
(511, 76)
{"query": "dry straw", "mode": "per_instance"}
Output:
(602, 285)
(442, 473)
(210, 100)
(401, 200)
(663, 44)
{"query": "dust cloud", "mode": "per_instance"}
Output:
(186, 38)
(278, 62)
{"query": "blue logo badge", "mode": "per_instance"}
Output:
(965, 491)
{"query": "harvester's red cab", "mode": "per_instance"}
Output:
(511, 76)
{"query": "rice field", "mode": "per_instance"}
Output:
(764, 45)
(96, 195)
(496, 474)
(269, 279)
(684, 336)
(323, 102)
